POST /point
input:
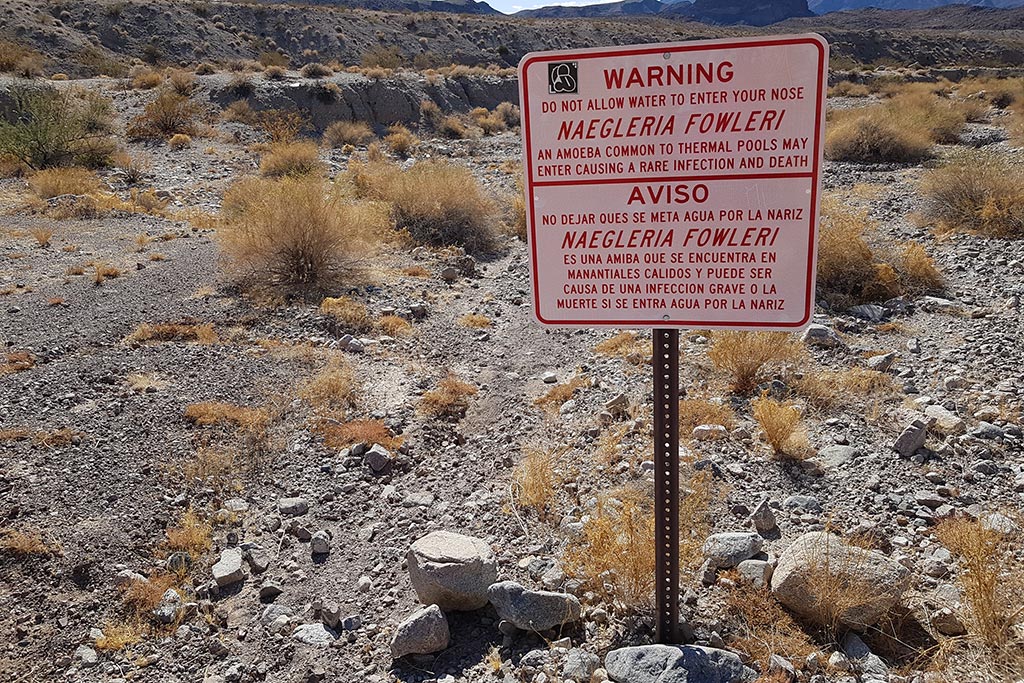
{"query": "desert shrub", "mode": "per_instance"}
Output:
(179, 141)
(437, 202)
(870, 137)
(205, 69)
(54, 182)
(475, 321)
(344, 434)
(240, 111)
(241, 85)
(274, 73)
(19, 60)
(182, 82)
(315, 70)
(694, 412)
(489, 122)
(16, 361)
(22, 544)
(509, 113)
(942, 117)
(59, 77)
(519, 223)
(353, 316)
(747, 355)
(449, 399)
(556, 396)
(282, 125)
(291, 159)
(334, 388)
(430, 112)
(382, 57)
(297, 233)
(146, 79)
(341, 133)
(50, 127)
(765, 629)
(167, 115)
(192, 534)
(626, 345)
(978, 193)
(534, 481)
(452, 127)
(400, 140)
(394, 326)
(269, 58)
(853, 270)
(849, 89)
(780, 423)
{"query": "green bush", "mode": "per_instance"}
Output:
(45, 127)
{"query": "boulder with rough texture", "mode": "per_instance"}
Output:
(228, 569)
(314, 634)
(532, 610)
(451, 571)
(675, 664)
(821, 578)
(729, 549)
(424, 632)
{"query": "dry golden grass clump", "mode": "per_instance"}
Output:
(316, 70)
(192, 534)
(338, 434)
(101, 272)
(119, 635)
(489, 122)
(437, 202)
(42, 236)
(394, 326)
(24, 544)
(694, 412)
(351, 314)
(852, 271)
(203, 333)
(240, 111)
(281, 125)
(55, 182)
(333, 388)
(449, 399)
(765, 628)
(871, 136)
(218, 413)
(167, 115)
(780, 423)
(475, 321)
(991, 577)
(179, 141)
(849, 89)
(291, 159)
(452, 127)
(274, 72)
(626, 345)
(181, 82)
(400, 140)
(557, 395)
(519, 226)
(748, 355)
(341, 133)
(133, 168)
(977, 193)
(534, 481)
(146, 79)
(509, 113)
(301, 234)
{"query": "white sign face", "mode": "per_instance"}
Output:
(675, 185)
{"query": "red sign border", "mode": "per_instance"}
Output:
(814, 39)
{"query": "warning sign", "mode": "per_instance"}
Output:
(675, 185)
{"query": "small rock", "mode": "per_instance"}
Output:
(451, 570)
(675, 664)
(424, 632)
(86, 656)
(763, 517)
(912, 438)
(378, 458)
(320, 542)
(757, 573)
(532, 610)
(882, 362)
(870, 665)
(710, 432)
(169, 609)
(292, 507)
(729, 549)
(228, 570)
(580, 665)
(314, 634)
(821, 336)
(946, 422)
(948, 623)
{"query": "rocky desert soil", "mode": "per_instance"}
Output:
(310, 572)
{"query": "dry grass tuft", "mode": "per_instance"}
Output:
(475, 321)
(694, 412)
(23, 544)
(765, 628)
(872, 137)
(167, 115)
(449, 400)
(55, 182)
(344, 434)
(991, 578)
(350, 314)
(202, 333)
(300, 234)
(179, 141)
(977, 193)
(534, 481)
(437, 202)
(16, 361)
(747, 355)
(400, 140)
(333, 388)
(626, 345)
(416, 271)
(341, 133)
(299, 158)
(104, 271)
(118, 636)
(143, 596)
(192, 535)
(217, 413)
(557, 395)
(780, 423)
(394, 326)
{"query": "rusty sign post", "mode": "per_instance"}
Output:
(673, 186)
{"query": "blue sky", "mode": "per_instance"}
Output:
(512, 6)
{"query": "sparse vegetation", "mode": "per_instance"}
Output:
(400, 140)
(192, 534)
(23, 544)
(394, 326)
(169, 114)
(747, 355)
(626, 345)
(334, 388)
(765, 628)
(300, 234)
(694, 412)
(56, 182)
(291, 159)
(475, 321)
(49, 127)
(350, 314)
(556, 396)
(534, 481)
(449, 399)
(179, 141)
(977, 193)
(338, 434)
(780, 423)
(341, 133)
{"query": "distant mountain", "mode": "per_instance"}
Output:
(455, 6)
(750, 12)
(826, 6)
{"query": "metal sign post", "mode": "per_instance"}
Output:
(665, 361)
